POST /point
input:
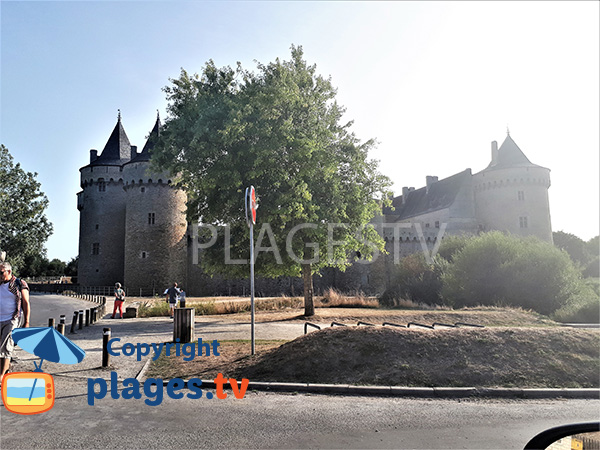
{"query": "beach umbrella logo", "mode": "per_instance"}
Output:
(33, 392)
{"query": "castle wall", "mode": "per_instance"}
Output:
(514, 200)
(101, 226)
(155, 231)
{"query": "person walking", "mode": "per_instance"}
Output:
(119, 300)
(14, 304)
(181, 298)
(171, 297)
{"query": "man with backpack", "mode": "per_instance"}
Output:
(14, 304)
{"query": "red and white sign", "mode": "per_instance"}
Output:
(251, 205)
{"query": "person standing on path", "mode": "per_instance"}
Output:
(119, 300)
(171, 297)
(14, 302)
(181, 298)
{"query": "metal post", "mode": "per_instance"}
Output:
(253, 350)
(74, 321)
(87, 317)
(51, 322)
(62, 319)
(61, 328)
(80, 319)
(105, 354)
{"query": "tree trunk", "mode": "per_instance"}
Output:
(309, 306)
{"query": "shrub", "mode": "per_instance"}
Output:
(498, 269)
(416, 281)
(147, 309)
(584, 308)
(451, 245)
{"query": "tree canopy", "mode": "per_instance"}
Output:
(24, 228)
(498, 269)
(279, 129)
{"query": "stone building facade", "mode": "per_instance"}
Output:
(133, 225)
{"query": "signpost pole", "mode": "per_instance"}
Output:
(250, 206)
(252, 286)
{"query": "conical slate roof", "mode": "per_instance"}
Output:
(117, 150)
(510, 155)
(152, 138)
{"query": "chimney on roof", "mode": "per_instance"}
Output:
(429, 180)
(133, 151)
(494, 153)
(93, 155)
(404, 194)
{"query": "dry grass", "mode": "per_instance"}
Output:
(332, 298)
(507, 357)
(234, 305)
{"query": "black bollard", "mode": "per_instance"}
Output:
(62, 319)
(87, 317)
(105, 354)
(80, 319)
(51, 322)
(61, 328)
(74, 321)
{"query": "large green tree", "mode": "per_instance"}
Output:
(24, 227)
(279, 129)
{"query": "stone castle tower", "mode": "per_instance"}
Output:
(511, 193)
(132, 221)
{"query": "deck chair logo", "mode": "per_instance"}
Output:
(34, 392)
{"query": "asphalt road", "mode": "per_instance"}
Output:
(264, 420)
(267, 420)
(45, 306)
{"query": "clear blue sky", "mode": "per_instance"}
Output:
(434, 83)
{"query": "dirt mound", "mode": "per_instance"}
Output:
(488, 357)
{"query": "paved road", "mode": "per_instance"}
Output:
(265, 420)
(261, 420)
(44, 306)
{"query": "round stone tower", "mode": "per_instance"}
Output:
(101, 204)
(155, 226)
(511, 194)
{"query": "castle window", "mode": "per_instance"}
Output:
(426, 225)
(144, 255)
(151, 218)
(523, 222)
(96, 248)
(97, 226)
(437, 223)
(143, 189)
(101, 185)
(521, 195)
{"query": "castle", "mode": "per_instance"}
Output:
(133, 226)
